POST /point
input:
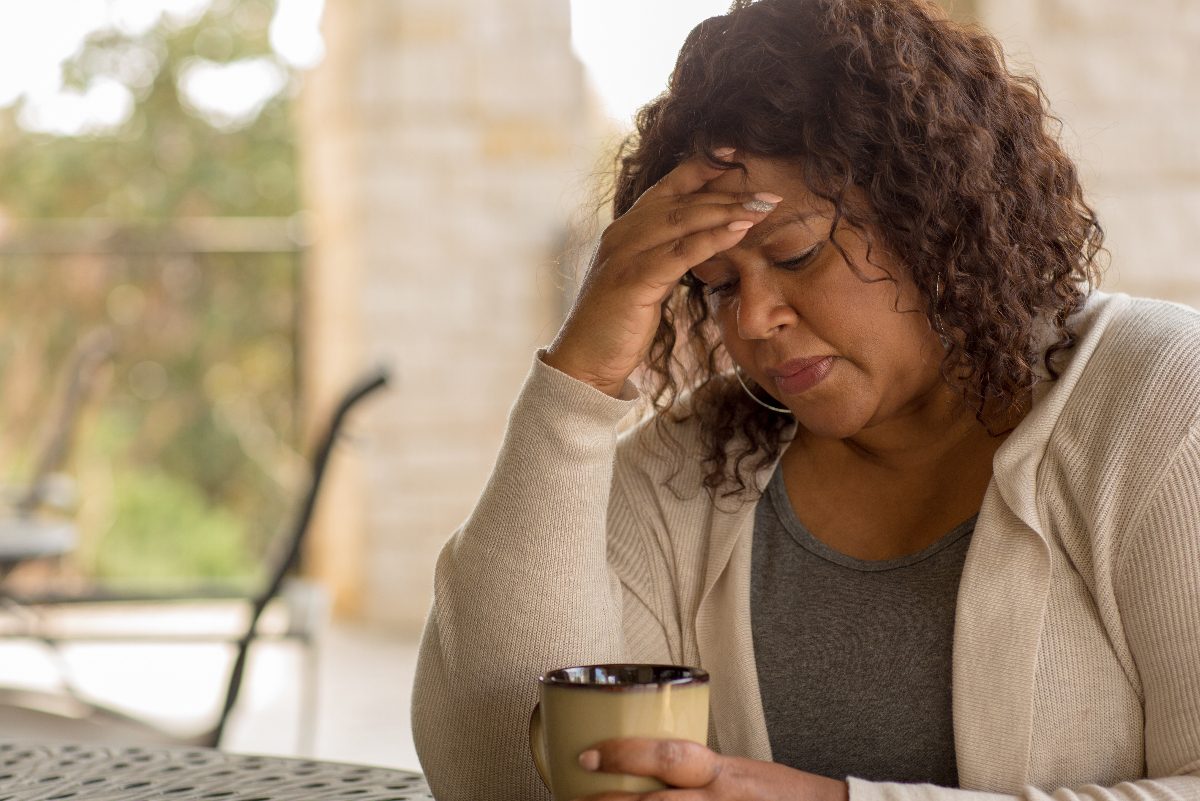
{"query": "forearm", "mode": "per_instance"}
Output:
(1177, 788)
(522, 587)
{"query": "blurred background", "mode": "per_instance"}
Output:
(216, 214)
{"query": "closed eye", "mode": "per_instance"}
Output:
(799, 261)
(720, 288)
(726, 286)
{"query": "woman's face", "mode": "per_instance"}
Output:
(846, 350)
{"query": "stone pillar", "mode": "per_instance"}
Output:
(1123, 78)
(445, 150)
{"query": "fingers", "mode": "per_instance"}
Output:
(659, 795)
(678, 763)
(662, 241)
(689, 176)
(682, 254)
(656, 226)
(641, 257)
(747, 199)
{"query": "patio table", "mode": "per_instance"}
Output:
(89, 773)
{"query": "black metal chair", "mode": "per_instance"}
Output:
(68, 715)
(33, 524)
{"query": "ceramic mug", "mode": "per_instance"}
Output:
(581, 706)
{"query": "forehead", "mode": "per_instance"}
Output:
(800, 207)
(763, 175)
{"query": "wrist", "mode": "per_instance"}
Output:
(823, 788)
(553, 357)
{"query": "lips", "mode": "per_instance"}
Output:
(800, 375)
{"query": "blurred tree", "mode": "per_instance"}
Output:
(192, 439)
(168, 158)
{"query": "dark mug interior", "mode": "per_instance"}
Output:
(625, 675)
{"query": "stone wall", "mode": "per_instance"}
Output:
(445, 149)
(1125, 79)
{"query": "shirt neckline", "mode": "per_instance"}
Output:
(778, 497)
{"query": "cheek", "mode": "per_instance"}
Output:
(896, 344)
(905, 366)
(739, 350)
(886, 351)
(724, 316)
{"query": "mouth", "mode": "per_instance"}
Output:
(800, 375)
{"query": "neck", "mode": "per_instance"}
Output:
(893, 489)
(933, 435)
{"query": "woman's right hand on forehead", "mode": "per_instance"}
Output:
(673, 227)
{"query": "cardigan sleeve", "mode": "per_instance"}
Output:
(1158, 593)
(525, 586)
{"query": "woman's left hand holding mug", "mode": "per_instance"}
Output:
(695, 773)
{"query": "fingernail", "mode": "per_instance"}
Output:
(590, 759)
(770, 197)
(724, 152)
(759, 206)
(740, 225)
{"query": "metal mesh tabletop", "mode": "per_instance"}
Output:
(91, 773)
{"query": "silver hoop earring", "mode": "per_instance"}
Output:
(737, 372)
(947, 343)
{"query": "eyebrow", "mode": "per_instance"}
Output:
(773, 223)
(767, 227)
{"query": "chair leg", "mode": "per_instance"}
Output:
(306, 735)
(34, 626)
(309, 611)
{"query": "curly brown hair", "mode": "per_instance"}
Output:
(956, 158)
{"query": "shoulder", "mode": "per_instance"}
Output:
(1142, 358)
(1129, 399)
(1102, 440)
(1152, 331)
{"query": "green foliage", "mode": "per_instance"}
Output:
(180, 461)
(169, 532)
(167, 160)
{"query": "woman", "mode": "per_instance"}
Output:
(923, 502)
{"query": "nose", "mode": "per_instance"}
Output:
(763, 309)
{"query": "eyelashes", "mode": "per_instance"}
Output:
(801, 260)
(724, 288)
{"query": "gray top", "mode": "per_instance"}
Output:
(854, 656)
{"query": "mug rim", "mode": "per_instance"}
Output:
(556, 678)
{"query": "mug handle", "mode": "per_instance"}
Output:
(537, 745)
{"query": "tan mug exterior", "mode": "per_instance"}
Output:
(584, 705)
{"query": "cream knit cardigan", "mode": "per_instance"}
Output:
(1076, 664)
